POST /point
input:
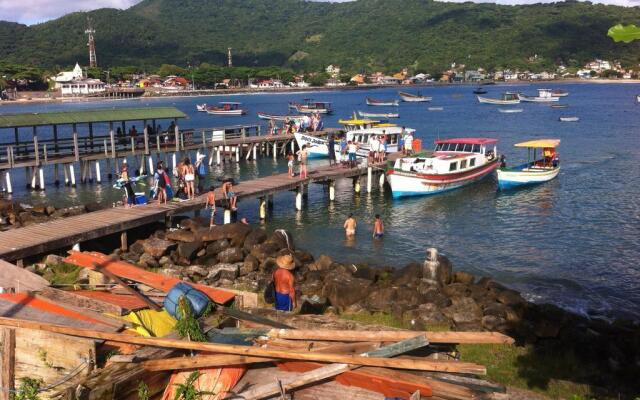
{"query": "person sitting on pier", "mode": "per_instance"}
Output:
(284, 283)
(229, 195)
(211, 204)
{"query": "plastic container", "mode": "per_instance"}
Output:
(141, 198)
(198, 300)
(417, 145)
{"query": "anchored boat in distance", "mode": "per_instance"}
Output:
(226, 108)
(507, 99)
(414, 98)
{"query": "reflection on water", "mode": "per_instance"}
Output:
(574, 241)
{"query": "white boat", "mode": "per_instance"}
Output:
(510, 110)
(435, 108)
(226, 108)
(374, 102)
(413, 98)
(507, 99)
(536, 169)
(275, 117)
(569, 119)
(559, 93)
(453, 164)
(311, 107)
(201, 107)
(378, 115)
(544, 96)
(360, 131)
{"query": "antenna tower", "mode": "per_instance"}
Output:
(229, 57)
(91, 43)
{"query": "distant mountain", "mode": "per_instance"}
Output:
(363, 34)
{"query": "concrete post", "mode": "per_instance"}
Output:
(293, 146)
(332, 190)
(255, 152)
(33, 178)
(299, 198)
(381, 182)
(72, 175)
(98, 177)
(41, 177)
(356, 184)
(174, 160)
(369, 178)
(237, 153)
(66, 174)
(270, 202)
(151, 169)
(218, 157)
(7, 177)
(124, 243)
(76, 247)
(275, 150)
(227, 216)
(263, 208)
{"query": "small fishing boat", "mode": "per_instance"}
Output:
(414, 98)
(569, 119)
(453, 164)
(507, 99)
(559, 105)
(201, 107)
(544, 96)
(480, 90)
(374, 102)
(435, 108)
(510, 110)
(311, 107)
(559, 93)
(275, 117)
(536, 169)
(638, 98)
(226, 108)
(378, 115)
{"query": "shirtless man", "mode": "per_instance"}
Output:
(211, 204)
(378, 228)
(350, 226)
(227, 191)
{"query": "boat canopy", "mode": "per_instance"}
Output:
(468, 141)
(540, 143)
(356, 121)
(230, 102)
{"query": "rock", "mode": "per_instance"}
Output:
(194, 224)
(496, 310)
(93, 206)
(381, 299)
(235, 233)
(148, 261)
(223, 271)
(463, 310)
(181, 236)
(510, 297)
(268, 265)
(201, 253)
(323, 263)
(249, 265)
(50, 210)
(427, 314)
(310, 288)
(171, 270)
(344, 291)
(157, 247)
(282, 238)
(256, 236)
(546, 329)
(53, 259)
(196, 270)
(364, 272)
(313, 305)
(264, 250)
(187, 251)
(463, 277)
(456, 290)
(493, 323)
(216, 247)
(137, 247)
(409, 275)
(231, 255)
(303, 256)
(164, 260)
(130, 257)
(436, 298)
(39, 210)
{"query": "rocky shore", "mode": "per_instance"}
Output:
(426, 295)
(16, 215)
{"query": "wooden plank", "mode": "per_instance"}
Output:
(12, 276)
(83, 302)
(150, 303)
(116, 323)
(245, 316)
(409, 364)
(328, 371)
(7, 362)
(213, 361)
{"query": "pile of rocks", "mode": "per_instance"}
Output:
(15, 215)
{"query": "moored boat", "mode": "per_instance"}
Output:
(544, 96)
(413, 98)
(479, 90)
(559, 93)
(638, 98)
(378, 115)
(510, 110)
(374, 102)
(276, 117)
(201, 107)
(559, 105)
(311, 107)
(453, 164)
(435, 108)
(569, 119)
(535, 170)
(226, 108)
(507, 99)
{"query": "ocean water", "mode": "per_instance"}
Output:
(574, 241)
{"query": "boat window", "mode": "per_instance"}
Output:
(468, 147)
(472, 162)
(438, 147)
(463, 164)
(453, 166)
(476, 148)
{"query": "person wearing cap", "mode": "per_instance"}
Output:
(283, 281)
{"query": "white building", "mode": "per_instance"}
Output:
(598, 65)
(73, 83)
(333, 71)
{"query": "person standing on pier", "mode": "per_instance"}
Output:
(378, 228)
(290, 164)
(302, 158)
(350, 226)
(352, 148)
(160, 184)
(128, 189)
(189, 174)
(408, 144)
(284, 282)
(331, 146)
(211, 204)
(201, 169)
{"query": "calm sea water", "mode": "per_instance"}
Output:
(574, 241)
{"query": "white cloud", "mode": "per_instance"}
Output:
(36, 11)
(625, 3)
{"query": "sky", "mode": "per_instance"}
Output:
(35, 11)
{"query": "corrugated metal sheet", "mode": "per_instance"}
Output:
(86, 116)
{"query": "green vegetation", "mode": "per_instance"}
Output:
(360, 36)
(143, 391)
(28, 390)
(625, 34)
(62, 274)
(188, 391)
(188, 326)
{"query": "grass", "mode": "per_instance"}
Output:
(513, 366)
(62, 274)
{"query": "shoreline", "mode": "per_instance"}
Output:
(285, 90)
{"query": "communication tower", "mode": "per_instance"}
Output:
(229, 57)
(91, 43)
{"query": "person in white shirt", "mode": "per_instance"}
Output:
(352, 148)
(374, 144)
(408, 143)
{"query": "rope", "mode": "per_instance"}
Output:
(62, 380)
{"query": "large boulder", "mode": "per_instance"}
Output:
(181, 235)
(343, 291)
(249, 265)
(196, 271)
(216, 247)
(231, 255)
(463, 277)
(409, 275)
(194, 224)
(323, 263)
(463, 310)
(381, 299)
(157, 247)
(494, 323)
(187, 251)
(510, 297)
(264, 251)
(304, 256)
(148, 261)
(456, 290)
(436, 298)
(235, 233)
(282, 238)
(256, 236)
(224, 271)
(428, 314)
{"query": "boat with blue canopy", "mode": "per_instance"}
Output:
(542, 165)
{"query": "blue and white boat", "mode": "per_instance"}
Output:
(540, 167)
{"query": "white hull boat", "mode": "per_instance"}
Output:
(507, 99)
(372, 102)
(510, 110)
(201, 107)
(538, 169)
(378, 115)
(569, 119)
(544, 96)
(413, 98)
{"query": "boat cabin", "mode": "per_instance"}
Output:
(317, 105)
(510, 96)
(229, 105)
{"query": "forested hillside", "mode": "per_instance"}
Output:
(360, 35)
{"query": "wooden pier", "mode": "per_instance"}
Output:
(54, 235)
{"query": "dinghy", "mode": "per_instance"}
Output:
(544, 96)
(536, 169)
(569, 119)
(435, 108)
(201, 107)
(559, 105)
(510, 110)
(374, 102)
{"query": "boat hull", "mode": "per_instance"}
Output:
(405, 184)
(226, 112)
(409, 98)
(317, 147)
(378, 115)
(510, 179)
(529, 99)
(487, 100)
(394, 103)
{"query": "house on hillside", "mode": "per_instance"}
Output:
(598, 65)
(267, 84)
(333, 71)
(358, 79)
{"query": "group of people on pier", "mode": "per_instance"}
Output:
(138, 139)
(291, 125)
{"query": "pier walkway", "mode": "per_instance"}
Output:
(16, 244)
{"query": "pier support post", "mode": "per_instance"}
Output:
(255, 152)
(174, 160)
(270, 201)
(237, 153)
(381, 182)
(293, 146)
(41, 177)
(124, 243)
(275, 150)
(56, 175)
(7, 177)
(76, 247)
(34, 173)
(263, 208)
(72, 175)
(98, 175)
(356, 184)
(218, 158)
(151, 169)
(227, 216)
(66, 174)
(299, 198)
(369, 179)
(332, 190)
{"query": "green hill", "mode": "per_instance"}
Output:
(359, 35)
